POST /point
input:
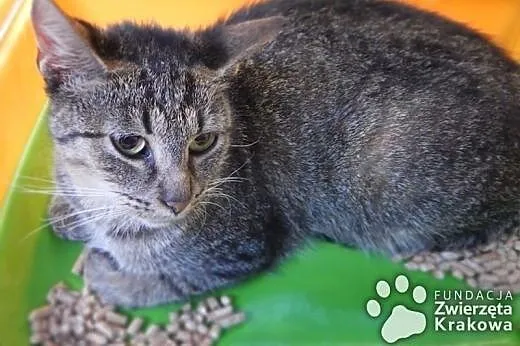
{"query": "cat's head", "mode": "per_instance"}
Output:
(139, 115)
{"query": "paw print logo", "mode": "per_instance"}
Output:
(402, 322)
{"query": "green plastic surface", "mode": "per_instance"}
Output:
(318, 297)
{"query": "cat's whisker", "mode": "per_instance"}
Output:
(218, 182)
(51, 223)
(212, 203)
(239, 168)
(76, 213)
(93, 218)
(216, 192)
(201, 228)
(36, 179)
(54, 193)
(244, 145)
(57, 189)
(228, 197)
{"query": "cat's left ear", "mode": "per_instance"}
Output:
(244, 39)
(63, 44)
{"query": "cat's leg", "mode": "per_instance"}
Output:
(126, 289)
(114, 286)
(64, 223)
(186, 274)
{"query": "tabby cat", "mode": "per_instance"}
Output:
(190, 160)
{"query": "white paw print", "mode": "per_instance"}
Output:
(402, 322)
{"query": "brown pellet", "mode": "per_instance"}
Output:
(214, 332)
(173, 316)
(207, 341)
(426, 267)
(115, 318)
(39, 338)
(474, 266)
(40, 313)
(488, 278)
(202, 329)
(183, 335)
(152, 330)
(39, 325)
(491, 265)
(65, 297)
(198, 318)
(190, 325)
(231, 320)
(225, 300)
(450, 256)
(98, 315)
(412, 265)
(202, 309)
(212, 303)
(77, 268)
(105, 329)
(135, 326)
(96, 338)
(81, 319)
(514, 277)
(439, 274)
(459, 267)
(217, 314)
(172, 328)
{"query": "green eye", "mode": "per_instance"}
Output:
(130, 145)
(202, 143)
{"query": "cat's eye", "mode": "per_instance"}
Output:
(202, 143)
(130, 145)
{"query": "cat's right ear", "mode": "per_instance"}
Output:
(63, 47)
(245, 39)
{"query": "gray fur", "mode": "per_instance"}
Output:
(369, 123)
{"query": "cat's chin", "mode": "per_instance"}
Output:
(161, 223)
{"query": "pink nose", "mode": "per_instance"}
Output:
(176, 206)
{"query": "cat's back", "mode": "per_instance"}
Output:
(382, 118)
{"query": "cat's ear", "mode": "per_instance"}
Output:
(63, 44)
(244, 39)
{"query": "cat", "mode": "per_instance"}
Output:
(190, 160)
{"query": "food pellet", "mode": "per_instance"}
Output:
(152, 330)
(491, 266)
(105, 329)
(81, 319)
(38, 338)
(214, 332)
(225, 300)
(134, 326)
(115, 318)
(40, 313)
(216, 314)
(183, 335)
(231, 320)
(96, 338)
(212, 303)
(84, 320)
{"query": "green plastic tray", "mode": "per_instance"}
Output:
(316, 298)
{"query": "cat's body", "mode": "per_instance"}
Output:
(369, 123)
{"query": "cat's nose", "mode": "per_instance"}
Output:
(175, 205)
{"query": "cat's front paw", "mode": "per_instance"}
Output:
(123, 289)
(64, 223)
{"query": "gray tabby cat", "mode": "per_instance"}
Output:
(190, 160)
